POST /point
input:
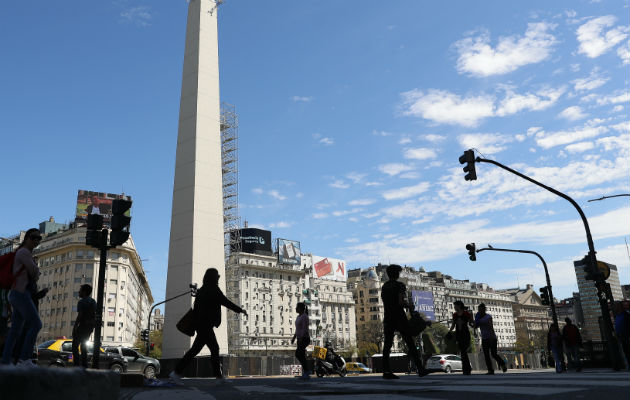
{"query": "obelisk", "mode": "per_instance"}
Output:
(196, 241)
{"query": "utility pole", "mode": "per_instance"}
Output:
(603, 295)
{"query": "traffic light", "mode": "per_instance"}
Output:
(145, 335)
(471, 251)
(120, 222)
(152, 346)
(93, 233)
(591, 272)
(469, 159)
(544, 296)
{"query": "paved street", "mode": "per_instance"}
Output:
(513, 385)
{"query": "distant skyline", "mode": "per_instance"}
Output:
(352, 118)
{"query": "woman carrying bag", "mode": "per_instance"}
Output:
(206, 315)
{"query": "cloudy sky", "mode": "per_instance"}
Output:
(352, 117)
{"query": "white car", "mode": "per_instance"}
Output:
(444, 362)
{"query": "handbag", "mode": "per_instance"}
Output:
(186, 324)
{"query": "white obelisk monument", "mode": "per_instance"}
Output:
(196, 241)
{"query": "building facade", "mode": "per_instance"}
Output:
(66, 262)
(531, 318)
(444, 290)
(269, 291)
(570, 308)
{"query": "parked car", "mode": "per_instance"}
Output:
(444, 362)
(357, 367)
(148, 366)
(58, 353)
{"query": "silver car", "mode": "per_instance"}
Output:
(444, 362)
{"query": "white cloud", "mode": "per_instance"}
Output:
(257, 190)
(434, 138)
(443, 107)
(341, 213)
(478, 58)
(281, 224)
(489, 143)
(612, 99)
(301, 99)
(595, 39)
(617, 108)
(393, 169)
(276, 195)
(406, 192)
(579, 147)
(593, 81)
(355, 177)
(362, 202)
(326, 141)
(339, 184)
(410, 175)
(352, 240)
(141, 16)
(320, 215)
(572, 113)
(623, 52)
(548, 140)
(421, 153)
(404, 140)
(513, 102)
(443, 241)
(381, 133)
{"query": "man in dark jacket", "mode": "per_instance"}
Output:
(207, 312)
(394, 295)
(572, 341)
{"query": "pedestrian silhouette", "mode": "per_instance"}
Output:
(394, 295)
(83, 326)
(483, 321)
(554, 345)
(572, 341)
(25, 316)
(303, 338)
(207, 316)
(461, 320)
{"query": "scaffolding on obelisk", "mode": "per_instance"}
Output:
(197, 240)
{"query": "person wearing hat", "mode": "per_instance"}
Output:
(394, 296)
(207, 315)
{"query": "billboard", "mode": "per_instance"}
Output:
(329, 268)
(96, 203)
(423, 301)
(289, 252)
(255, 241)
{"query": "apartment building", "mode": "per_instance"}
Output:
(66, 263)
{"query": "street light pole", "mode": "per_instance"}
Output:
(553, 306)
(604, 296)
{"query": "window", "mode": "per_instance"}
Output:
(78, 267)
(79, 253)
(76, 280)
(90, 254)
(113, 281)
(111, 323)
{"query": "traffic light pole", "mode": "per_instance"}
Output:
(554, 316)
(603, 297)
(192, 291)
(96, 350)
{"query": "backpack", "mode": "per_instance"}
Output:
(7, 278)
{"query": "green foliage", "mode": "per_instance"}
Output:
(437, 331)
(368, 349)
(155, 338)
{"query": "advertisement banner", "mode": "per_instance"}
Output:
(329, 268)
(423, 301)
(255, 241)
(289, 252)
(96, 203)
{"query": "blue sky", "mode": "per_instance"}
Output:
(352, 117)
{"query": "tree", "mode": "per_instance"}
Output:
(155, 337)
(371, 332)
(367, 349)
(437, 333)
